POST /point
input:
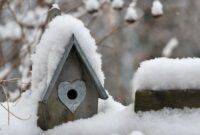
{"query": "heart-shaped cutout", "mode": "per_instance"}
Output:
(72, 94)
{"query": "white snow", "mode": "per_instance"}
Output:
(165, 74)
(157, 8)
(170, 46)
(119, 120)
(55, 6)
(117, 4)
(126, 122)
(133, 13)
(91, 5)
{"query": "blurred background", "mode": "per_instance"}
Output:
(126, 34)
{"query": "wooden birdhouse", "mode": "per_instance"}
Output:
(73, 91)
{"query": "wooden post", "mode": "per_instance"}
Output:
(146, 100)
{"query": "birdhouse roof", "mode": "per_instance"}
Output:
(52, 48)
(74, 43)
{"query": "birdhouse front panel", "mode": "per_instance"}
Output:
(73, 96)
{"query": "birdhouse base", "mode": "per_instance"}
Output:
(53, 114)
(146, 100)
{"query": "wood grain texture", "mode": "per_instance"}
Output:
(54, 112)
(146, 100)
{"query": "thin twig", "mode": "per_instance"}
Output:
(91, 21)
(119, 28)
(14, 114)
(73, 8)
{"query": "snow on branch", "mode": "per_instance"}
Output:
(170, 46)
(157, 8)
(133, 13)
(92, 6)
(117, 4)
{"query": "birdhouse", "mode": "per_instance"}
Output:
(73, 91)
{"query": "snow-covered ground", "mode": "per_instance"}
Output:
(113, 118)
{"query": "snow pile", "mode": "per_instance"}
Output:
(165, 74)
(126, 122)
(133, 13)
(52, 46)
(170, 46)
(157, 8)
(117, 4)
(117, 121)
(92, 5)
(26, 109)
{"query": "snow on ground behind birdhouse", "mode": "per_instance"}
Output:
(168, 74)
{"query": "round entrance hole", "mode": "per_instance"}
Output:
(72, 94)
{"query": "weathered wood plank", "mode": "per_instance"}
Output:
(146, 100)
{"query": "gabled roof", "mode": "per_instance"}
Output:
(73, 42)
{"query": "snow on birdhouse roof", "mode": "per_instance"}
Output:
(74, 43)
(52, 47)
(168, 74)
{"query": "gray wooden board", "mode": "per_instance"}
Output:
(53, 112)
(146, 100)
